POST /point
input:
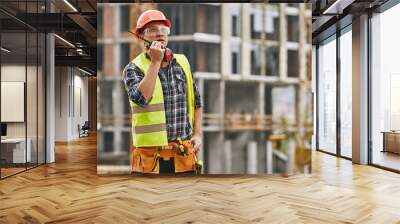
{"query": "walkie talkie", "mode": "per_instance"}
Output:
(167, 52)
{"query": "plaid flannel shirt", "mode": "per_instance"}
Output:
(173, 82)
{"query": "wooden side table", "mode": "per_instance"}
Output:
(391, 141)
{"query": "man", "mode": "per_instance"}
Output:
(165, 103)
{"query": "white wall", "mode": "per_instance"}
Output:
(16, 73)
(70, 83)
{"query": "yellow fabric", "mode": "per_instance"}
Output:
(159, 138)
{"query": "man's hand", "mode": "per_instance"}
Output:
(156, 52)
(197, 142)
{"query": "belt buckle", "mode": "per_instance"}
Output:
(165, 147)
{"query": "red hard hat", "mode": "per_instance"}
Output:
(150, 16)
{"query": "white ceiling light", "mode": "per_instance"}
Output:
(70, 5)
(337, 7)
(86, 72)
(65, 41)
(5, 50)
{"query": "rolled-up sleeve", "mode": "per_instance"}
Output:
(132, 76)
(197, 97)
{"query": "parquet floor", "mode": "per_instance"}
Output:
(70, 191)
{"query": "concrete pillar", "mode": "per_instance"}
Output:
(268, 155)
(225, 40)
(252, 157)
(246, 45)
(282, 42)
(50, 99)
(215, 153)
(227, 156)
(261, 98)
(117, 93)
(360, 90)
(291, 157)
(302, 42)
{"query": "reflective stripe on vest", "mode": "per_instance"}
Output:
(149, 122)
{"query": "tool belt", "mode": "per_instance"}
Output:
(146, 159)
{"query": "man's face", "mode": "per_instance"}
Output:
(156, 31)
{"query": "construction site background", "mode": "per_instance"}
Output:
(252, 63)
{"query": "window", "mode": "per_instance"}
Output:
(272, 23)
(346, 94)
(124, 18)
(124, 55)
(126, 105)
(256, 23)
(106, 94)
(234, 10)
(190, 13)
(385, 88)
(272, 61)
(255, 62)
(234, 62)
(234, 25)
(327, 96)
(235, 58)
(126, 143)
(207, 57)
(293, 63)
(22, 95)
(292, 28)
(212, 16)
(100, 57)
(100, 22)
(108, 141)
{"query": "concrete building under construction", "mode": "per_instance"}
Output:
(247, 60)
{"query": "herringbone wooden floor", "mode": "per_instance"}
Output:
(70, 191)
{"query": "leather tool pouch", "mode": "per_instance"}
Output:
(145, 160)
(184, 163)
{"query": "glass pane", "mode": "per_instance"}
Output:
(204, 57)
(272, 22)
(124, 18)
(272, 61)
(234, 10)
(235, 58)
(293, 63)
(385, 86)
(32, 88)
(106, 93)
(13, 87)
(100, 21)
(292, 28)
(327, 96)
(255, 59)
(256, 23)
(124, 55)
(41, 98)
(31, 98)
(345, 94)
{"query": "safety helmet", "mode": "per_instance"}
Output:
(150, 16)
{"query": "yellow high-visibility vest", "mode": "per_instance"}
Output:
(149, 122)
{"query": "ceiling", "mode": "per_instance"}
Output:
(73, 20)
(330, 15)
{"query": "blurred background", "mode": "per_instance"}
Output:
(252, 64)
